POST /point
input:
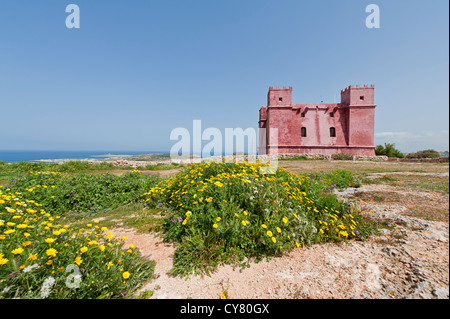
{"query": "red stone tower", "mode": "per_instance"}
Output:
(324, 128)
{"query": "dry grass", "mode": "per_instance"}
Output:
(412, 185)
(431, 208)
(314, 166)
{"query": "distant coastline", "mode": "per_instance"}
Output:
(116, 158)
(12, 156)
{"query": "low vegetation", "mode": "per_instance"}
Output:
(341, 157)
(56, 220)
(424, 154)
(228, 212)
(82, 195)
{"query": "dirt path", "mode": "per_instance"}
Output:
(409, 261)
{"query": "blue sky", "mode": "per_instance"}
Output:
(135, 70)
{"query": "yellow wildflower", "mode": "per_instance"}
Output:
(17, 251)
(32, 257)
(51, 252)
(26, 243)
(78, 260)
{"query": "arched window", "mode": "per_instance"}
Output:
(303, 131)
(332, 132)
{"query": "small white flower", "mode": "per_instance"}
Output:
(30, 268)
(47, 286)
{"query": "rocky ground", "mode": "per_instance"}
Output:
(409, 260)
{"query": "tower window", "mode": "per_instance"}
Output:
(280, 99)
(303, 114)
(361, 97)
(303, 131)
(331, 114)
(332, 132)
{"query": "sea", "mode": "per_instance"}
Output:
(33, 156)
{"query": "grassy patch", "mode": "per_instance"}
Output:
(327, 181)
(83, 195)
(434, 183)
(295, 158)
(160, 167)
(136, 216)
(357, 167)
(438, 184)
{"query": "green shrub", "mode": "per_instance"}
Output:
(225, 212)
(388, 150)
(424, 154)
(342, 156)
